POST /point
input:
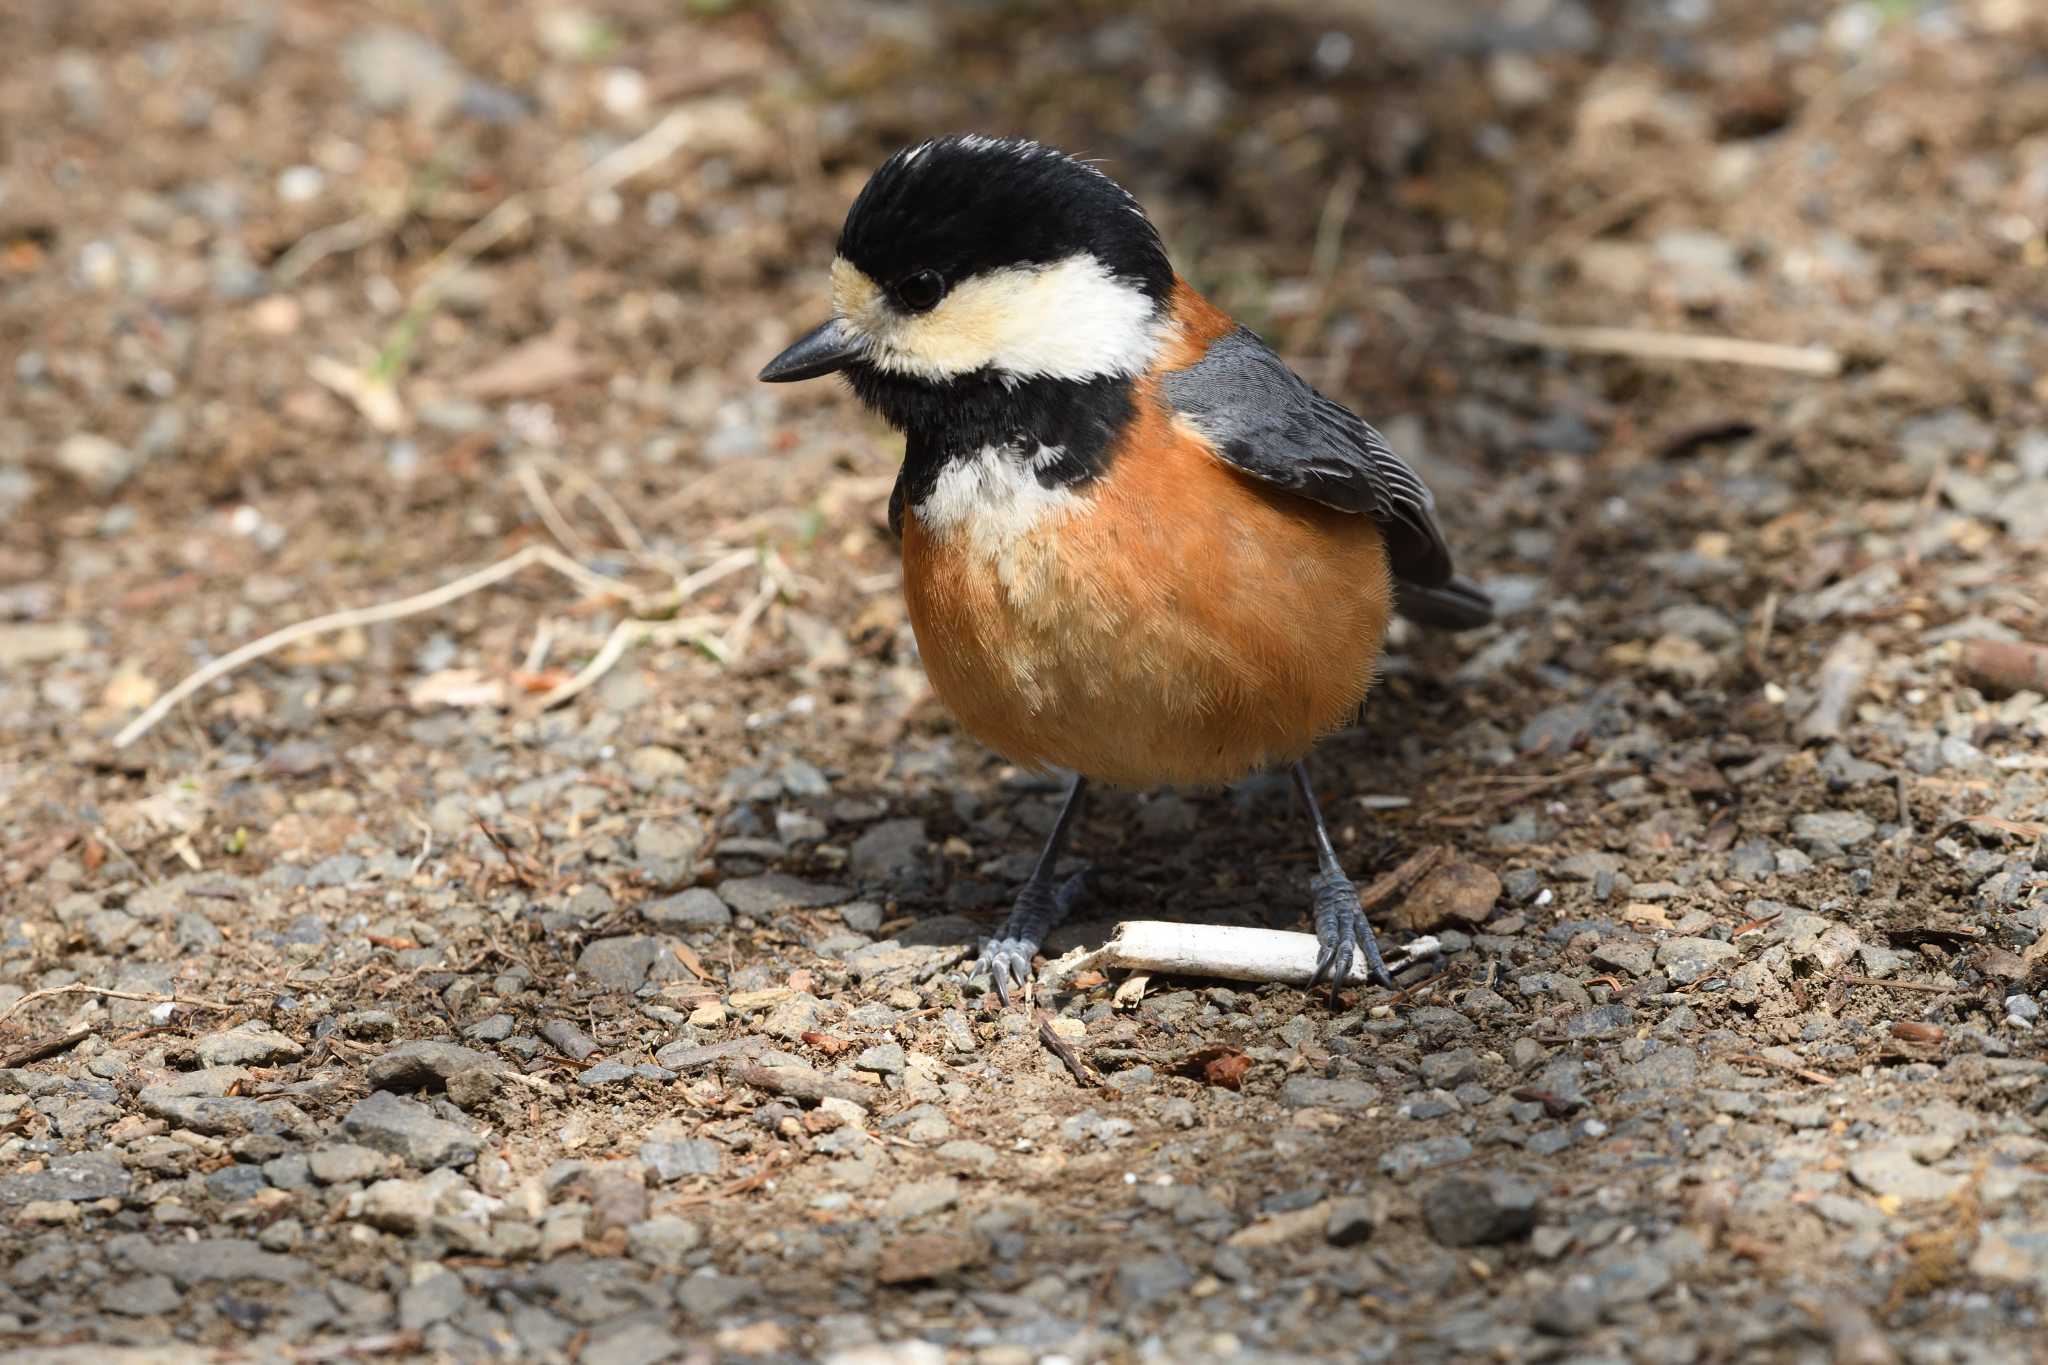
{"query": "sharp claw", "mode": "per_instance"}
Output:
(1375, 965)
(1007, 956)
(1340, 971)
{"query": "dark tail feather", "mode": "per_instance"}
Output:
(1456, 605)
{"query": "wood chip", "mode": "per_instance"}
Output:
(534, 367)
(1837, 686)
(692, 963)
(1221, 1066)
(1999, 667)
(1456, 894)
(926, 1256)
(800, 1083)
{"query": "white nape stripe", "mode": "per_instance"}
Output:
(1072, 319)
(993, 500)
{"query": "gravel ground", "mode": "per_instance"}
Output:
(365, 1007)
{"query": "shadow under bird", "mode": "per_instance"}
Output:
(1136, 546)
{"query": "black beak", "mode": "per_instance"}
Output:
(825, 349)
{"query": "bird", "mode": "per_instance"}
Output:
(1137, 547)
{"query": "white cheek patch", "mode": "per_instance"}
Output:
(1072, 319)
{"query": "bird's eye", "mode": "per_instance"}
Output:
(921, 292)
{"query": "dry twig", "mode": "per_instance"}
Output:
(800, 1083)
(1803, 1073)
(1923, 987)
(371, 615)
(146, 997)
(1231, 952)
(1644, 345)
(1058, 1047)
(49, 1047)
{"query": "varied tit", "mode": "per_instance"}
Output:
(1136, 546)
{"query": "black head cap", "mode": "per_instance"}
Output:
(964, 204)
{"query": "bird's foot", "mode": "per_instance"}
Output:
(1039, 908)
(1341, 925)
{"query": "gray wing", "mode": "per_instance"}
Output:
(1265, 420)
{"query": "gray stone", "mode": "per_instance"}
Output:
(436, 1298)
(344, 1162)
(663, 1242)
(1753, 861)
(619, 964)
(1449, 1070)
(667, 841)
(1584, 867)
(410, 1131)
(232, 1184)
(82, 1177)
(1606, 1021)
(1353, 1220)
(694, 910)
(968, 1154)
(1152, 1279)
(1686, 960)
(761, 898)
(98, 463)
(291, 1171)
(403, 1206)
(494, 1028)
(707, 1295)
(1890, 1168)
(425, 1065)
(607, 1073)
(636, 1342)
(250, 1044)
(1629, 955)
(1479, 1210)
(1317, 1092)
(1410, 1159)
(398, 70)
(225, 1117)
(863, 917)
(1570, 1311)
(920, 1198)
(1668, 1068)
(668, 1160)
(571, 1041)
(1832, 829)
(142, 1296)
(471, 1090)
(206, 1261)
(793, 1018)
(884, 1058)
(888, 848)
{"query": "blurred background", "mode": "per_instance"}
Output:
(312, 305)
(294, 292)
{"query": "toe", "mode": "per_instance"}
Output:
(1340, 969)
(1009, 966)
(1375, 965)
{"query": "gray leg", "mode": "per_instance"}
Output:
(1339, 922)
(1040, 906)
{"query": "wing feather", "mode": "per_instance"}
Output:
(1268, 422)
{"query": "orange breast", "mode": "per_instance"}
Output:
(1172, 622)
